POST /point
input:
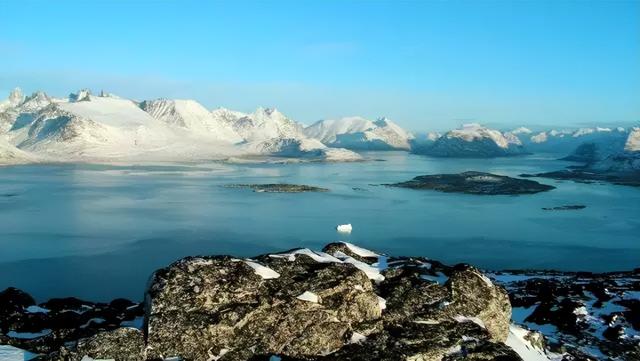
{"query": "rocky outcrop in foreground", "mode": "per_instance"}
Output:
(344, 303)
(475, 183)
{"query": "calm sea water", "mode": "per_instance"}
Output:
(97, 232)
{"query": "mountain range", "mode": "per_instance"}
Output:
(104, 127)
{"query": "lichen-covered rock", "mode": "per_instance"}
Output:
(472, 294)
(431, 341)
(122, 344)
(202, 307)
(345, 303)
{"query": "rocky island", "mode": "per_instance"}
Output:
(475, 183)
(279, 188)
(344, 303)
(586, 175)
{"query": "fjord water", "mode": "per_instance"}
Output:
(98, 231)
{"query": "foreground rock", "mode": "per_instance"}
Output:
(344, 303)
(279, 188)
(475, 183)
(323, 305)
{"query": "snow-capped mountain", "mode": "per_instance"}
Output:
(264, 124)
(16, 97)
(563, 142)
(191, 116)
(360, 133)
(300, 148)
(473, 141)
(85, 127)
(633, 141)
(9, 154)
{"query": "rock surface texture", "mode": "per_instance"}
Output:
(343, 303)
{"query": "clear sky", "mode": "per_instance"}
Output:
(427, 65)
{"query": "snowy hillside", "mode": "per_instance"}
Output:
(564, 142)
(633, 141)
(473, 141)
(264, 124)
(85, 127)
(191, 116)
(300, 148)
(360, 133)
(9, 154)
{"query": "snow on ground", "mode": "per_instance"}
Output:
(308, 296)
(362, 252)
(518, 340)
(10, 353)
(262, 271)
(440, 278)
(372, 271)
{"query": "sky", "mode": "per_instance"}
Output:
(428, 65)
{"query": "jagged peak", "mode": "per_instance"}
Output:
(16, 96)
(80, 96)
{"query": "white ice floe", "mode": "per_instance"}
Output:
(357, 338)
(518, 341)
(262, 271)
(11, 353)
(373, 272)
(36, 309)
(308, 296)
(362, 252)
(344, 228)
(382, 303)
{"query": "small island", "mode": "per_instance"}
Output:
(279, 188)
(572, 207)
(583, 175)
(475, 183)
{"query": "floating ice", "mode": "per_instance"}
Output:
(344, 228)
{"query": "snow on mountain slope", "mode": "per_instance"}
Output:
(227, 116)
(9, 154)
(264, 124)
(633, 141)
(327, 130)
(19, 111)
(360, 133)
(299, 148)
(474, 141)
(191, 116)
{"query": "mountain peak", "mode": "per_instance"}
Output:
(80, 96)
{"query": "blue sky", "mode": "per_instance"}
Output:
(428, 65)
